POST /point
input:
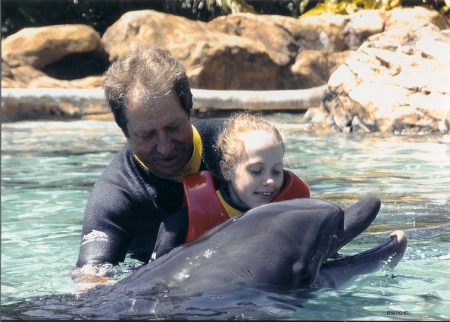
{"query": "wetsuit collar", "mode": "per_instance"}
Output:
(193, 165)
(230, 207)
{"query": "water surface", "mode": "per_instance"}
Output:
(48, 169)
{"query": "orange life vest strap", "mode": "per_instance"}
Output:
(293, 188)
(204, 207)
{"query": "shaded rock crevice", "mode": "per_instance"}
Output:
(77, 65)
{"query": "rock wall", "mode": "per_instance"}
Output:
(397, 81)
(234, 52)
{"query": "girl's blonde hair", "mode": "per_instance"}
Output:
(231, 140)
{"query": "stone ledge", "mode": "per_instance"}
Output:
(56, 103)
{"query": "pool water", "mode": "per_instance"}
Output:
(48, 169)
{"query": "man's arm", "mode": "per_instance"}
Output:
(105, 239)
(106, 226)
(172, 233)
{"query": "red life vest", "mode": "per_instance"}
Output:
(207, 211)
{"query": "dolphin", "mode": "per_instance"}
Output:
(283, 245)
(278, 245)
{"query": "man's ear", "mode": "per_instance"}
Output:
(226, 170)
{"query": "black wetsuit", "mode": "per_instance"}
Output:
(128, 204)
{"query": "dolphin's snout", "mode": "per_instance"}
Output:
(400, 247)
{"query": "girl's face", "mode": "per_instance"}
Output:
(258, 176)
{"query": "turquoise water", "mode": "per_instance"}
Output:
(48, 169)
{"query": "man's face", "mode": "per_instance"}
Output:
(159, 130)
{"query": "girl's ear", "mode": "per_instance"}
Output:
(226, 170)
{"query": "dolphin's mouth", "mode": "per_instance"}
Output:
(395, 244)
(337, 272)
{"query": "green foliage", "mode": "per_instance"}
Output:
(350, 6)
(445, 9)
(206, 10)
(18, 14)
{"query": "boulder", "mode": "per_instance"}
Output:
(39, 47)
(302, 48)
(313, 67)
(397, 81)
(43, 56)
(213, 59)
(407, 17)
(277, 42)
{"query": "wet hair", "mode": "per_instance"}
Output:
(231, 140)
(152, 67)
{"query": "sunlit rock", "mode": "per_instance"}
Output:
(381, 67)
(52, 56)
(399, 78)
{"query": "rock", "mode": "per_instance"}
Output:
(359, 56)
(43, 56)
(51, 103)
(233, 66)
(277, 42)
(57, 103)
(407, 17)
(323, 33)
(362, 25)
(30, 77)
(397, 81)
(42, 46)
(313, 67)
(213, 59)
(227, 53)
(258, 100)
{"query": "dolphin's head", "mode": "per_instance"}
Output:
(281, 244)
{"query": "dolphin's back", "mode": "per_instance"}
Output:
(280, 244)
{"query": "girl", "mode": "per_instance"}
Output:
(253, 171)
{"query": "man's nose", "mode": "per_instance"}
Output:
(165, 145)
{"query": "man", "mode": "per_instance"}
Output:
(148, 92)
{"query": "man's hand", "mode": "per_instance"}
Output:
(89, 276)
